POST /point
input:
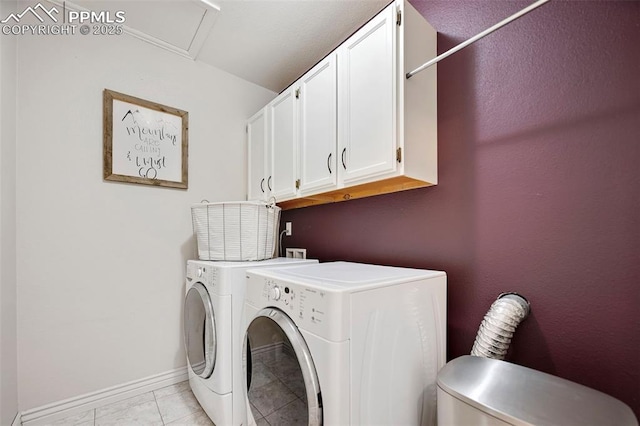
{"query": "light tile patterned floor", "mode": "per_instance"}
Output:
(173, 405)
(277, 390)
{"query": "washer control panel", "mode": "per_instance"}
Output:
(285, 294)
(311, 308)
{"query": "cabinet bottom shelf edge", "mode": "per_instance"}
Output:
(386, 186)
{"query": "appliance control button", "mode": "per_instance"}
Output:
(274, 293)
(199, 272)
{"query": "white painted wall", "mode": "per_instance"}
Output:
(8, 337)
(101, 264)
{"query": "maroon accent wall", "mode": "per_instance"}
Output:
(539, 193)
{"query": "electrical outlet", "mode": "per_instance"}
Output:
(287, 228)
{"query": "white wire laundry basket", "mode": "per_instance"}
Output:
(236, 231)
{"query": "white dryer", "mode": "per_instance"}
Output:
(361, 344)
(213, 335)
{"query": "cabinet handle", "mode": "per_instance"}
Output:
(262, 185)
(269, 184)
(329, 162)
(344, 151)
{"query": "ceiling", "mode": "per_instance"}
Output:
(268, 42)
(273, 42)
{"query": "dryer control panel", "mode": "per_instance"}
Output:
(316, 310)
(200, 273)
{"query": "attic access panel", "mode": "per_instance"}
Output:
(179, 26)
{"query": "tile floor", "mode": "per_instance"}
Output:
(277, 392)
(173, 405)
(277, 397)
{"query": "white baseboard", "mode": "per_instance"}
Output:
(72, 406)
(274, 347)
(271, 347)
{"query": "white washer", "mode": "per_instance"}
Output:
(367, 341)
(213, 334)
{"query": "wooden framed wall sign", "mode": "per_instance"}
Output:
(144, 142)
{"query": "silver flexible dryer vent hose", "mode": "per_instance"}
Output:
(499, 324)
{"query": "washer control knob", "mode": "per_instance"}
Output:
(199, 272)
(274, 293)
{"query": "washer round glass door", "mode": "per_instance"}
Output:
(199, 331)
(282, 382)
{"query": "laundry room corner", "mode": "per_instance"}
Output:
(101, 264)
(243, 213)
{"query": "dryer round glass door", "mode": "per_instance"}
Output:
(199, 331)
(282, 382)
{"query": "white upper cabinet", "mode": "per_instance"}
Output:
(256, 150)
(367, 107)
(318, 132)
(283, 136)
(354, 125)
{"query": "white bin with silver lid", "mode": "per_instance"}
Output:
(483, 391)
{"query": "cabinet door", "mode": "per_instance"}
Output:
(283, 139)
(257, 156)
(368, 100)
(318, 131)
